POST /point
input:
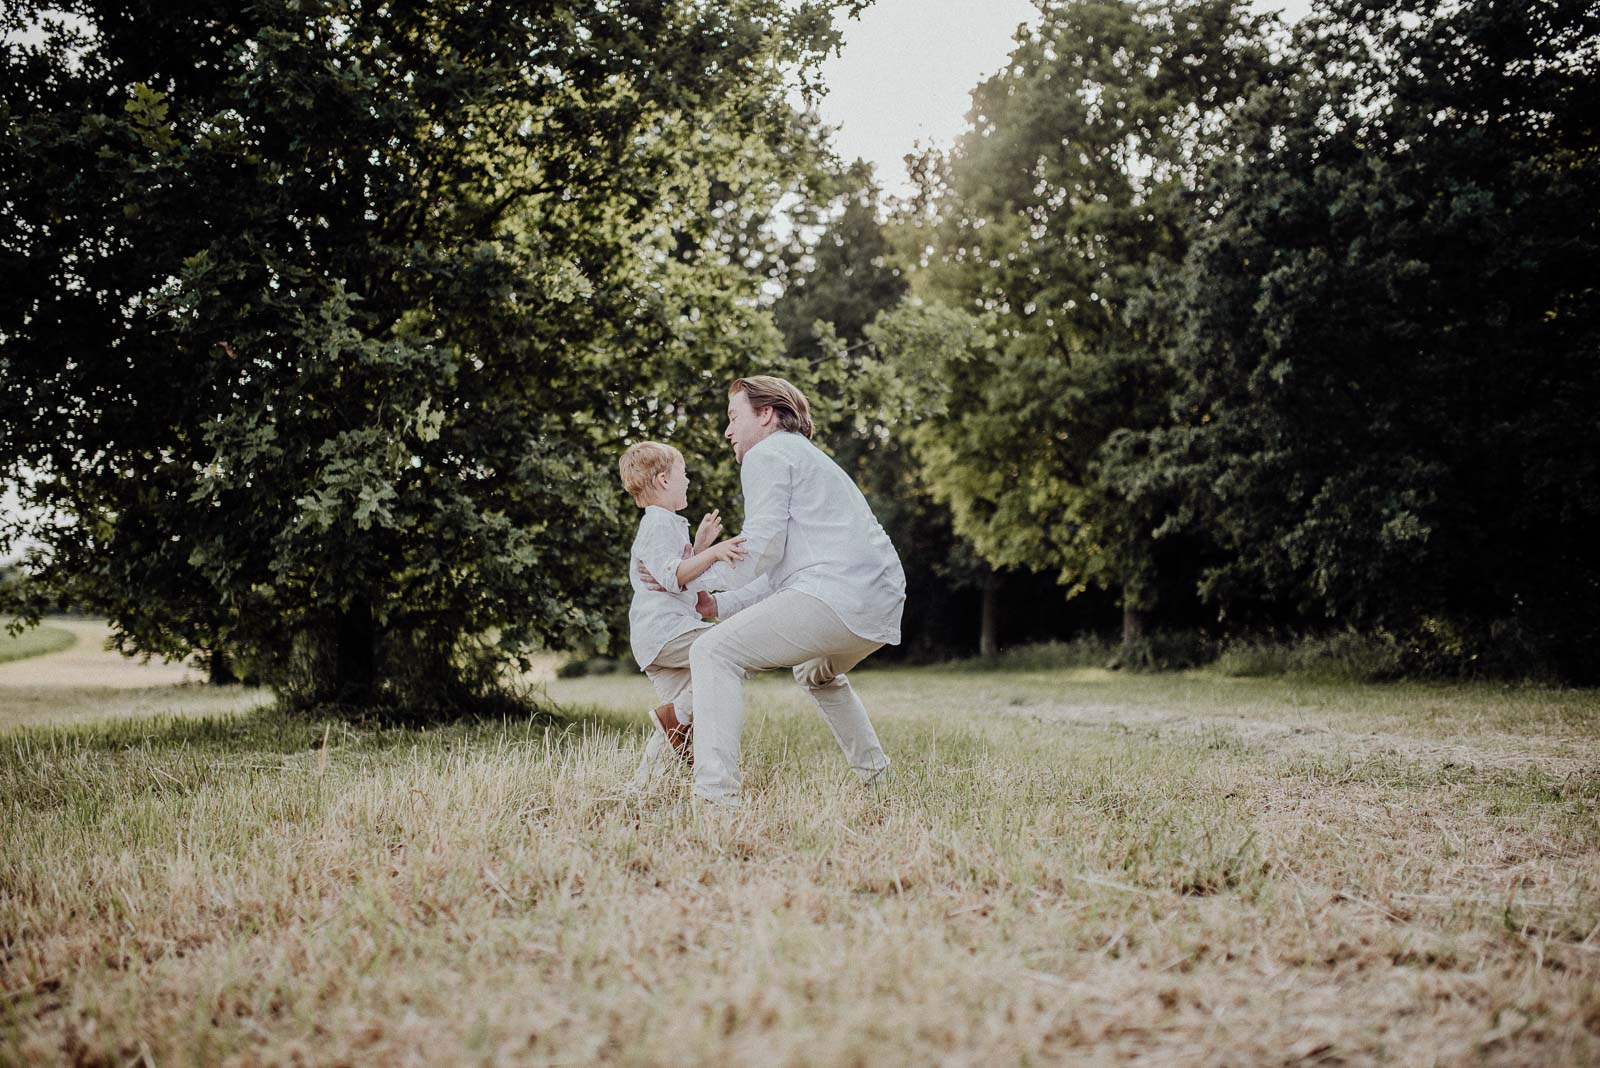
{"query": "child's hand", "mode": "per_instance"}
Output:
(730, 551)
(710, 528)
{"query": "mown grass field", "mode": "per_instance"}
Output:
(35, 641)
(1068, 866)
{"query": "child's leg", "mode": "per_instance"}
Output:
(672, 665)
(669, 674)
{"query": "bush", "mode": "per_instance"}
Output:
(1172, 650)
(1086, 651)
(1344, 656)
(423, 677)
(1160, 651)
(593, 665)
(1500, 649)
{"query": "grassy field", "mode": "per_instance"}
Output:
(34, 642)
(1068, 866)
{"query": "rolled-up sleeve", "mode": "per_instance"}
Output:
(732, 602)
(719, 576)
(662, 552)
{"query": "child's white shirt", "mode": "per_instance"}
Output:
(655, 618)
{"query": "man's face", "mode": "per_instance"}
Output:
(746, 425)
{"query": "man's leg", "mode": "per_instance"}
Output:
(786, 629)
(824, 679)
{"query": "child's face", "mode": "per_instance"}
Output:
(674, 487)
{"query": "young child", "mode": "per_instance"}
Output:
(663, 625)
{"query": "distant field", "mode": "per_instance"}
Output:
(34, 642)
(1068, 866)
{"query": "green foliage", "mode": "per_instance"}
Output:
(1043, 234)
(325, 322)
(1084, 651)
(1386, 383)
(843, 282)
(1345, 656)
(322, 325)
(1155, 651)
(580, 667)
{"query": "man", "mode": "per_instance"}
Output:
(820, 589)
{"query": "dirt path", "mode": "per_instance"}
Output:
(86, 664)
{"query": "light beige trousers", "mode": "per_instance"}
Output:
(787, 630)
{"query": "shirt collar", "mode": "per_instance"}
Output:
(763, 441)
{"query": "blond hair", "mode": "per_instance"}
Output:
(640, 465)
(767, 391)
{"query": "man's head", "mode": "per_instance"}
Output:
(654, 474)
(759, 407)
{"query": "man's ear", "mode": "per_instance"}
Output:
(766, 415)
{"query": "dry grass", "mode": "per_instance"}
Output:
(1066, 867)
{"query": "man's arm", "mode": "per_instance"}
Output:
(732, 602)
(768, 482)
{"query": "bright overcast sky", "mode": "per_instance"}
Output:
(908, 69)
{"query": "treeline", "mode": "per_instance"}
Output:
(1267, 333)
(322, 324)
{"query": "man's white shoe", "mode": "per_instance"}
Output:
(884, 776)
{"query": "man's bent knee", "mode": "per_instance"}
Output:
(817, 675)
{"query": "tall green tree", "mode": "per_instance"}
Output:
(1052, 224)
(322, 321)
(839, 271)
(1388, 334)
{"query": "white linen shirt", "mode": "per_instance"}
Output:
(655, 618)
(808, 528)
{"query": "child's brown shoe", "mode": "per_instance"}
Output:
(679, 735)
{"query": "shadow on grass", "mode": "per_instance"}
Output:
(275, 729)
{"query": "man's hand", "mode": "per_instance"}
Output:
(710, 528)
(649, 580)
(705, 605)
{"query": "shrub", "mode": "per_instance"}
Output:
(594, 665)
(1343, 656)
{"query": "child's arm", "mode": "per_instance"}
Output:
(661, 547)
(728, 552)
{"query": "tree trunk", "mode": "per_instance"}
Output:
(219, 669)
(1134, 621)
(989, 625)
(1135, 624)
(355, 664)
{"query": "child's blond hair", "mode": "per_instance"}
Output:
(640, 465)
